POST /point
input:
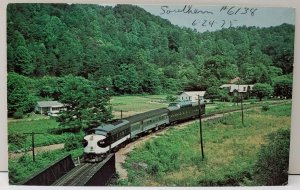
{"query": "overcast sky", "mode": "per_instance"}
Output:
(212, 18)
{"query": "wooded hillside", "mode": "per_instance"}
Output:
(128, 50)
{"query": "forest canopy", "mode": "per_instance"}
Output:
(129, 51)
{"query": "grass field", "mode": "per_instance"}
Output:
(218, 138)
(37, 126)
(131, 105)
(42, 124)
(230, 151)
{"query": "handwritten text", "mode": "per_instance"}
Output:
(238, 10)
(187, 9)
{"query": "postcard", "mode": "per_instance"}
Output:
(149, 95)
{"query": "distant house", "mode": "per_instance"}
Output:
(234, 89)
(49, 107)
(191, 96)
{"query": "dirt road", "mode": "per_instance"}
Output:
(37, 150)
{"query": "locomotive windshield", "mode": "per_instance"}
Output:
(96, 131)
(100, 132)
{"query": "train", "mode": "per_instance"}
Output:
(100, 141)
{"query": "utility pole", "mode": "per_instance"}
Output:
(121, 114)
(200, 123)
(242, 109)
(32, 143)
(241, 97)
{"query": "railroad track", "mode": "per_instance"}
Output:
(75, 176)
(82, 174)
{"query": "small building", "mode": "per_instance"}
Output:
(49, 107)
(192, 96)
(234, 89)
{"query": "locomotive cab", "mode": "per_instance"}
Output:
(96, 145)
(102, 140)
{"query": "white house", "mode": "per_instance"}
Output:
(49, 107)
(192, 96)
(236, 88)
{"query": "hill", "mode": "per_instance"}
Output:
(129, 51)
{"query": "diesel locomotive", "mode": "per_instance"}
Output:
(108, 138)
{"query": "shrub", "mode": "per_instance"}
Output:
(252, 101)
(171, 98)
(18, 114)
(265, 108)
(73, 142)
(17, 139)
(271, 167)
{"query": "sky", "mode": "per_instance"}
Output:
(211, 18)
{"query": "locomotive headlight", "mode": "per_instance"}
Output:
(84, 143)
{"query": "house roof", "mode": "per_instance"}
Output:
(49, 104)
(195, 93)
(226, 85)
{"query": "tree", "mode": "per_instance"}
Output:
(283, 87)
(128, 81)
(150, 80)
(23, 61)
(213, 92)
(137, 51)
(262, 90)
(271, 168)
(265, 78)
(19, 95)
(87, 105)
(50, 87)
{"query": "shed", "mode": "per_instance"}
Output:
(49, 107)
(192, 96)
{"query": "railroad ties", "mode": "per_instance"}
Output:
(89, 174)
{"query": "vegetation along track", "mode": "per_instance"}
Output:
(122, 153)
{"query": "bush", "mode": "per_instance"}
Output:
(18, 114)
(62, 130)
(265, 108)
(16, 140)
(171, 98)
(73, 142)
(252, 101)
(271, 167)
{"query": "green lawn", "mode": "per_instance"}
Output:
(230, 151)
(131, 105)
(37, 126)
(172, 170)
